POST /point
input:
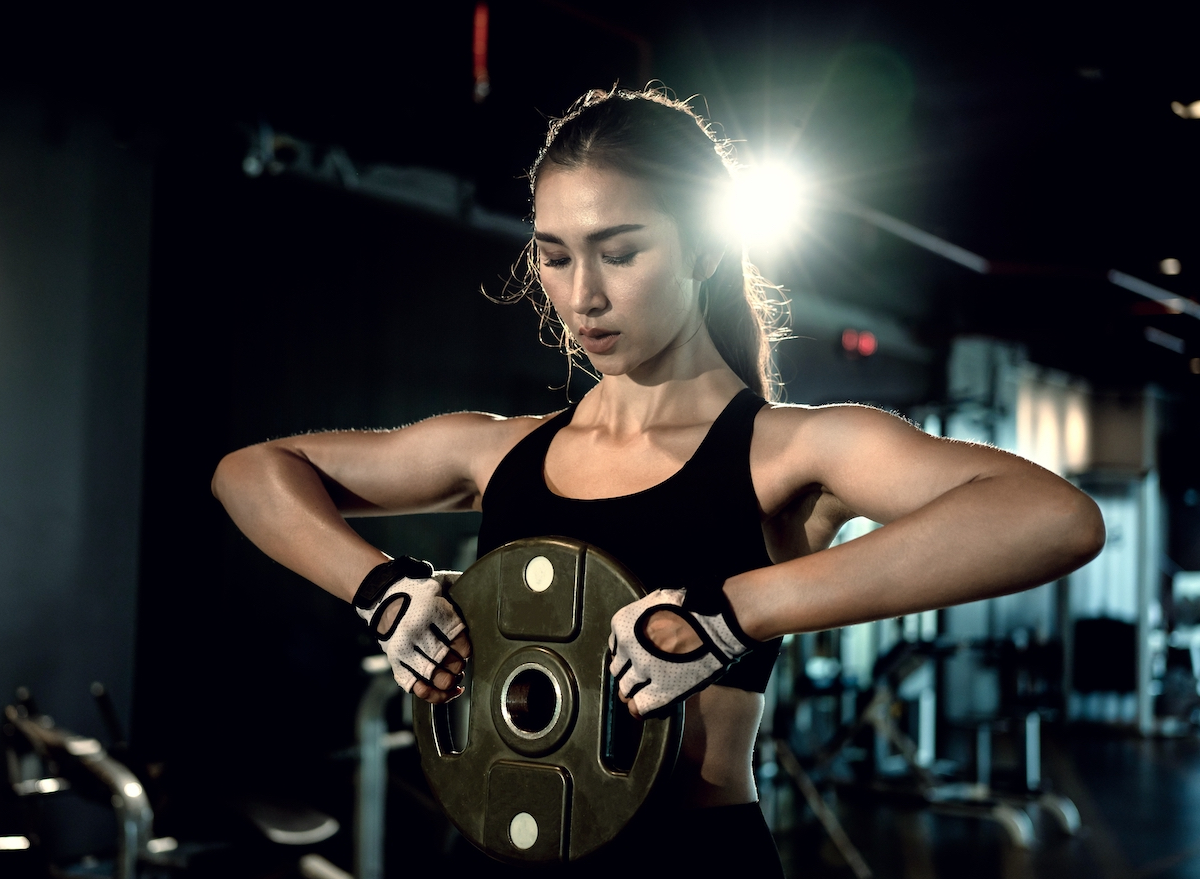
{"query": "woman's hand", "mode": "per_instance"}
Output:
(670, 634)
(405, 603)
(446, 681)
(662, 653)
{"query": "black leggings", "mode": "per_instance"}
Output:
(723, 840)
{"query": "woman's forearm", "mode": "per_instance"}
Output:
(277, 499)
(986, 538)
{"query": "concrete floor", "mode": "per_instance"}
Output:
(1139, 801)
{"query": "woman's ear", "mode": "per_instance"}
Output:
(707, 261)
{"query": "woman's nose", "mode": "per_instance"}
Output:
(587, 291)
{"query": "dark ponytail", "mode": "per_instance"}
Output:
(743, 320)
(663, 141)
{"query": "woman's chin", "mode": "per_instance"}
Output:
(605, 364)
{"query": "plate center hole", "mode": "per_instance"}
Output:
(531, 700)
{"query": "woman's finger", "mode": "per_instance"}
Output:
(435, 696)
(453, 663)
(444, 679)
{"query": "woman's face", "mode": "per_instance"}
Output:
(614, 268)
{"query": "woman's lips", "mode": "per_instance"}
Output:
(597, 341)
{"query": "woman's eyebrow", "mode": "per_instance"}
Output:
(593, 237)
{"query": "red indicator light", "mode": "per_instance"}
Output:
(479, 46)
(859, 343)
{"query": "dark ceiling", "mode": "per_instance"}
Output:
(1038, 135)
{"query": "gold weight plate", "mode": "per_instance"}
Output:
(552, 768)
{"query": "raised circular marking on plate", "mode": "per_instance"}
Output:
(539, 573)
(523, 830)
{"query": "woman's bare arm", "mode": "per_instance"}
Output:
(290, 496)
(961, 521)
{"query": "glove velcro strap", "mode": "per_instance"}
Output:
(712, 603)
(727, 626)
(717, 613)
(384, 575)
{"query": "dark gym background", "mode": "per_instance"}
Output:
(159, 307)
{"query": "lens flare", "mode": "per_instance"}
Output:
(768, 204)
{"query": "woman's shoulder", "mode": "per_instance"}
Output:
(827, 453)
(485, 429)
(789, 422)
(482, 438)
(794, 445)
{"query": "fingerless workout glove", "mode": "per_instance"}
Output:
(419, 637)
(651, 677)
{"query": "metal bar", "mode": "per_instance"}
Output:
(1150, 551)
(821, 809)
(372, 780)
(912, 234)
(1033, 751)
(983, 755)
(976, 263)
(129, 800)
(1171, 301)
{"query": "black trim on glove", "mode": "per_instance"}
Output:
(731, 620)
(384, 575)
(383, 606)
(717, 604)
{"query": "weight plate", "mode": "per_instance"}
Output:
(553, 767)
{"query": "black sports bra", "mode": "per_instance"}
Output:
(694, 530)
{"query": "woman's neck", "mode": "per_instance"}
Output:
(624, 405)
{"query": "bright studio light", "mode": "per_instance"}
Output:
(768, 203)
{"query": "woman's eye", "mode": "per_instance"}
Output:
(555, 262)
(623, 259)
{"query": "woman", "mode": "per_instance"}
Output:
(673, 463)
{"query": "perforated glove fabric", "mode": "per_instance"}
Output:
(653, 678)
(419, 637)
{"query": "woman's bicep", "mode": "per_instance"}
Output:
(882, 467)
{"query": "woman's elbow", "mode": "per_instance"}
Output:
(1085, 530)
(220, 477)
(230, 472)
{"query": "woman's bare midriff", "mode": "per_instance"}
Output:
(714, 768)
